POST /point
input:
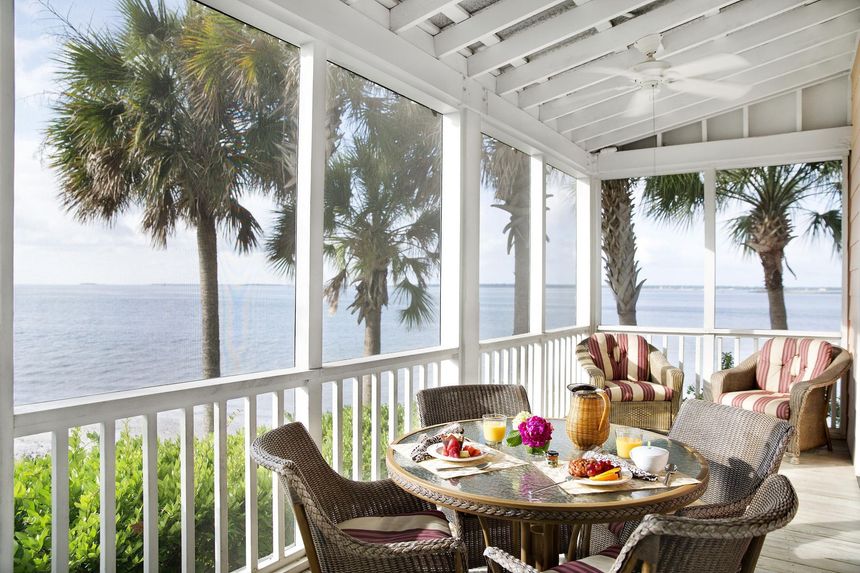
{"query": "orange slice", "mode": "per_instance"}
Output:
(608, 475)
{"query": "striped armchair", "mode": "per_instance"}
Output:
(645, 390)
(790, 379)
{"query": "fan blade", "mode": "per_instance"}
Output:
(719, 90)
(710, 65)
(640, 103)
(614, 71)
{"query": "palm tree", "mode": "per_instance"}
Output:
(619, 246)
(178, 116)
(506, 170)
(775, 203)
(382, 206)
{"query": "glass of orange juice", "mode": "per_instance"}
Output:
(626, 439)
(495, 426)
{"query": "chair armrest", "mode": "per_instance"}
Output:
(507, 561)
(741, 377)
(596, 376)
(829, 377)
(715, 510)
(662, 371)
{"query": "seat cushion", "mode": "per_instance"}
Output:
(786, 361)
(626, 391)
(620, 356)
(772, 403)
(418, 526)
(600, 563)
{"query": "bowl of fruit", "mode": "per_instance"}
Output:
(455, 448)
(598, 472)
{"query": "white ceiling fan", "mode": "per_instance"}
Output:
(652, 74)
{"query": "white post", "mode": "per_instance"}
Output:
(710, 260)
(461, 211)
(309, 231)
(537, 268)
(585, 252)
(594, 249)
(7, 198)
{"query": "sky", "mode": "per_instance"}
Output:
(53, 248)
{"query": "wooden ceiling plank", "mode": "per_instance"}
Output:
(682, 38)
(488, 21)
(761, 55)
(810, 75)
(540, 68)
(551, 31)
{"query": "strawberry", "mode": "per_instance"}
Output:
(452, 447)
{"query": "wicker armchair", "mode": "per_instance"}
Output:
(807, 400)
(656, 414)
(681, 544)
(452, 403)
(322, 499)
(742, 448)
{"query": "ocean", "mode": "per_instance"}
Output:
(81, 340)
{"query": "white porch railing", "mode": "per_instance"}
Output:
(543, 363)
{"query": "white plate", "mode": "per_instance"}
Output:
(626, 476)
(436, 451)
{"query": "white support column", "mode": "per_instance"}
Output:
(309, 231)
(7, 182)
(710, 277)
(537, 243)
(586, 296)
(592, 187)
(461, 205)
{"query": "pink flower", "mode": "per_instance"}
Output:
(535, 432)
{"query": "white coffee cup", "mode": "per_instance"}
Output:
(650, 458)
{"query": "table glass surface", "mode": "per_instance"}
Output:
(514, 484)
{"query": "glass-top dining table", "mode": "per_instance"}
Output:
(515, 493)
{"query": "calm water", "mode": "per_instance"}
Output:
(81, 340)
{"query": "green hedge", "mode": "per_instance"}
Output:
(33, 499)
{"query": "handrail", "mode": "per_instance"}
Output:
(529, 338)
(720, 331)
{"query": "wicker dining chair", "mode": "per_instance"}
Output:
(644, 388)
(683, 544)
(743, 449)
(353, 527)
(470, 401)
(803, 403)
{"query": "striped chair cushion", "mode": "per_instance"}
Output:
(785, 361)
(418, 526)
(625, 391)
(620, 356)
(759, 401)
(600, 563)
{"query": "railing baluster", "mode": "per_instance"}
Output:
(251, 523)
(107, 497)
(59, 501)
(186, 487)
(357, 414)
(376, 390)
(427, 379)
(337, 426)
(665, 344)
(150, 493)
(407, 399)
(682, 358)
(737, 350)
(392, 405)
(279, 520)
(698, 364)
(222, 563)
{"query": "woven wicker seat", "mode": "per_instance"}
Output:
(683, 544)
(651, 414)
(742, 448)
(807, 399)
(322, 499)
(470, 401)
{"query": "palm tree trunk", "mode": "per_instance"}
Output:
(372, 346)
(521, 284)
(619, 247)
(771, 262)
(207, 251)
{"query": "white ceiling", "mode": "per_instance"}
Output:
(545, 56)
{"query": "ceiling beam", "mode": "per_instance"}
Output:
(619, 37)
(488, 21)
(810, 75)
(549, 32)
(674, 41)
(777, 27)
(410, 13)
(777, 50)
(797, 147)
